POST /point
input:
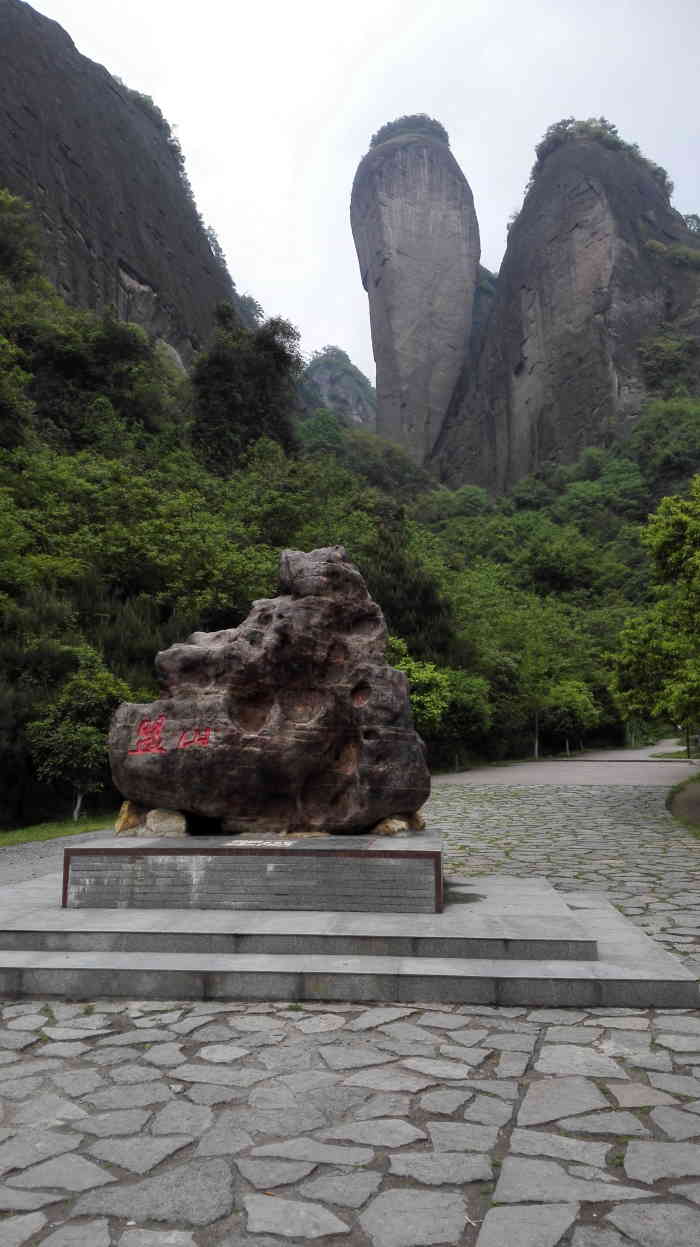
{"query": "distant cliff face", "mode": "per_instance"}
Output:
(119, 225)
(417, 242)
(331, 380)
(585, 283)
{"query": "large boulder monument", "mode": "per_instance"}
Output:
(292, 722)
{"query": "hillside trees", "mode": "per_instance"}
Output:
(243, 389)
(19, 239)
(658, 667)
(137, 506)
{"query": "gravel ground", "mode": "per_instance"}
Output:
(27, 861)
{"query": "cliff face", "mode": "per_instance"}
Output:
(417, 242)
(331, 380)
(95, 162)
(589, 277)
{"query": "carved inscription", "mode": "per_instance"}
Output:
(149, 737)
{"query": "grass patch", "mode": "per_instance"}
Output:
(51, 831)
(692, 827)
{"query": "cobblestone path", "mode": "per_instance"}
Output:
(616, 839)
(128, 1124)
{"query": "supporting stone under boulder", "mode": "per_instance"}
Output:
(292, 722)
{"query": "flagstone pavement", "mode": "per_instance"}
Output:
(163, 1124)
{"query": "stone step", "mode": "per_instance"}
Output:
(179, 976)
(114, 957)
(456, 932)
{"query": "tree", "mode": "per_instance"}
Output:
(68, 742)
(543, 660)
(319, 433)
(429, 686)
(244, 390)
(570, 711)
(658, 664)
(16, 408)
(251, 309)
(450, 708)
(19, 239)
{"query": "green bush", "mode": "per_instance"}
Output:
(670, 362)
(675, 253)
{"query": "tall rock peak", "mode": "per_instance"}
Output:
(417, 241)
(99, 165)
(588, 278)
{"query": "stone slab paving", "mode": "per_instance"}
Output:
(297, 1144)
(618, 839)
(158, 1124)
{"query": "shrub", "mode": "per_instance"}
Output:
(675, 253)
(669, 362)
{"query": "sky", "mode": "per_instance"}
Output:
(274, 105)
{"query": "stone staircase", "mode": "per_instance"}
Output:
(499, 941)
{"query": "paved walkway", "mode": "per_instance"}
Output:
(124, 1124)
(610, 766)
(598, 824)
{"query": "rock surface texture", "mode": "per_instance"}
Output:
(579, 292)
(417, 241)
(120, 228)
(291, 722)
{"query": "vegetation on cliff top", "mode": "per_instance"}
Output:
(602, 131)
(147, 105)
(414, 124)
(139, 505)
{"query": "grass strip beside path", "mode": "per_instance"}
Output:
(52, 831)
(689, 820)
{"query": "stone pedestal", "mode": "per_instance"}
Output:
(332, 873)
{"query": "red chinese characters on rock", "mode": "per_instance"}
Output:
(149, 738)
(197, 736)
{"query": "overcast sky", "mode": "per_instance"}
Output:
(274, 104)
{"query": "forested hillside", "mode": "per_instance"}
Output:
(140, 504)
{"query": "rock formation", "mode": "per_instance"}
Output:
(488, 385)
(291, 722)
(588, 277)
(331, 380)
(99, 165)
(417, 241)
